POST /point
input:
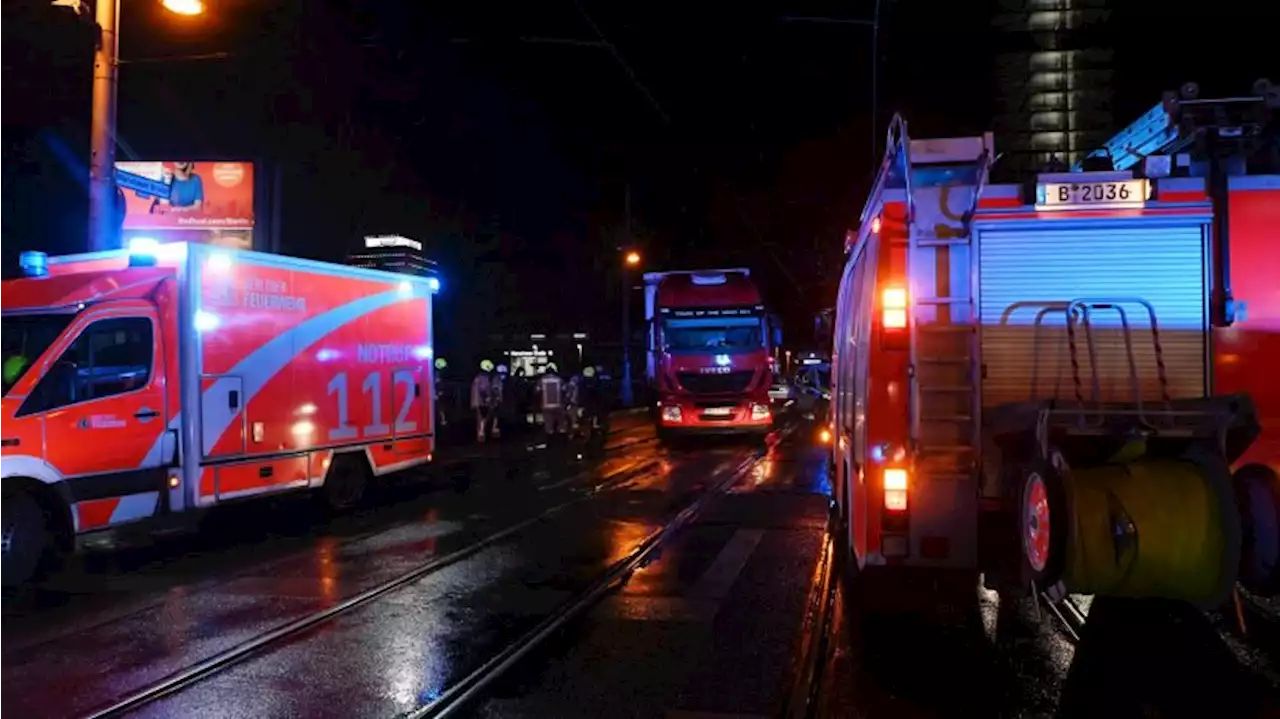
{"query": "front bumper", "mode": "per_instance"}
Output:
(711, 417)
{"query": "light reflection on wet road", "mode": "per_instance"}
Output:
(709, 627)
(121, 630)
(383, 658)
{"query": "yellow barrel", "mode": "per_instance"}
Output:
(1153, 528)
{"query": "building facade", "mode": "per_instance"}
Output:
(1053, 83)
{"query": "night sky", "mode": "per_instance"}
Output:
(507, 136)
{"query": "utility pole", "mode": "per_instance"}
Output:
(875, 82)
(627, 396)
(102, 130)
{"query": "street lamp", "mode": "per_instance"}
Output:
(629, 260)
(102, 129)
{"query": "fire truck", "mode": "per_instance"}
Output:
(154, 382)
(709, 358)
(1063, 386)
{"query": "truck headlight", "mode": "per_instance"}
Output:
(759, 411)
(671, 414)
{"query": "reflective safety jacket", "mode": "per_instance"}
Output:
(486, 391)
(551, 389)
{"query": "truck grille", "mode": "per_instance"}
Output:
(712, 383)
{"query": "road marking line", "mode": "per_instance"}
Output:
(702, 602)
(718, 578)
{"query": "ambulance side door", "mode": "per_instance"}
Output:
(103, 404)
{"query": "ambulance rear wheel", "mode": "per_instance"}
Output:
(25, 538)
(345, 485)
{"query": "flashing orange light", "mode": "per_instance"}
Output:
(875, 225)
(894, 301)
(895, 489)
(632, 258)
(824, 435)
(184, 7)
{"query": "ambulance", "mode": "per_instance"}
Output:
(158, 381)
(1063, 386)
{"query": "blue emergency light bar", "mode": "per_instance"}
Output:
(143, 252)
(33, 263)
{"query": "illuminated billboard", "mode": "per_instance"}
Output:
(186, 195)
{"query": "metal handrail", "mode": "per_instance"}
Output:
(1083, 308)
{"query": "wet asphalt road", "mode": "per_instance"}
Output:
(116, 621)
(388, 657)
(710, 628)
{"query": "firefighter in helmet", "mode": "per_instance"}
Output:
(593, 404)
(551, 400)
(13, 368)
(486, 397)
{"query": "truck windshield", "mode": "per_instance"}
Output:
(25, 338)
(718, 334)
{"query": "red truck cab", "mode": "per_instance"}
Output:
(709, 360)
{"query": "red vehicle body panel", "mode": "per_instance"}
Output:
(1240, 354)
(262, 368)
(1243, 353)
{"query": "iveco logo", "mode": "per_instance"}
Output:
(715, 370)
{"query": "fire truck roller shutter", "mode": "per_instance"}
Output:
(1026, 268)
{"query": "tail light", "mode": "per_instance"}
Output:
(893, 301)
(893, 318)
(895, 489)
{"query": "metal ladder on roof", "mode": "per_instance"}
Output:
(944, 338)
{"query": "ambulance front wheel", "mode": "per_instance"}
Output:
(26, 538)
(345, 485)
